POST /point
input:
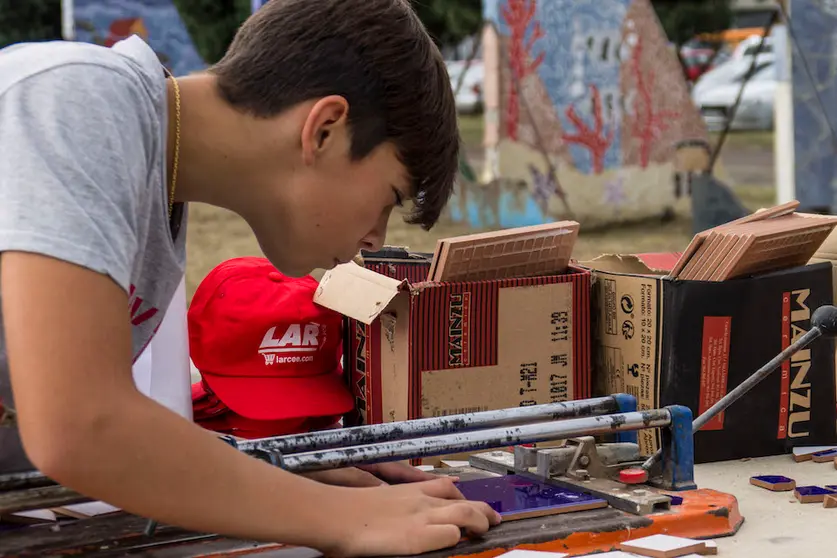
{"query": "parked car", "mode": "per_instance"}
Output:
(750, 45)
(469, 98)
(716, 91)
(699, 57)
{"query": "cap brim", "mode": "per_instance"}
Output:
(283, 398)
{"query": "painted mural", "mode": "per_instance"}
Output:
(585, 107)
(813, 24)
(158, 22)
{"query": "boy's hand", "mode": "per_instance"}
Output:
(398, 472)
(406, 519)
(371, 475)
(350, 476)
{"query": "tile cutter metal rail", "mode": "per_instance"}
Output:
(32, 490)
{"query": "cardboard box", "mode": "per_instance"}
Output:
(689, 342)
(436, 349)
(359, 354)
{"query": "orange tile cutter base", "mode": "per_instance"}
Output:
(635, 510)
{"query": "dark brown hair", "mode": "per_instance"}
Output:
(376, 54)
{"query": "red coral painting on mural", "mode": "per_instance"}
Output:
(519, 15)
(595, 139)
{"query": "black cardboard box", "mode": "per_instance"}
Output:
(689, 342)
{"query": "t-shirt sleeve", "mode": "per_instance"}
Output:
(73, 166)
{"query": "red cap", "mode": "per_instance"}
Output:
(263, 346)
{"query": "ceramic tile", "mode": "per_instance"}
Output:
(755, 245)
(698, 240)
(517, 497)
(805, 453)
(663, 546)
(824, 456)
(521, 252)
(811, 494)
(776, 483)
(711, 548)
(830, 501)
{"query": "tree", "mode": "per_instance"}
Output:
(29, 20)
(212, 24)
(683, 19)
(450, 21)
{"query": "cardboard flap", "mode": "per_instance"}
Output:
(356, 292)
(634, 264)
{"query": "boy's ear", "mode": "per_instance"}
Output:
(326, 120)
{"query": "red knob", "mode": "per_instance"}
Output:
(633, 476)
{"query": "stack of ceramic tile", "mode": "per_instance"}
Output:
(520, 252)
(769, 240)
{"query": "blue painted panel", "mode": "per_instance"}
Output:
(812, 24)
(570, 65)
(156, 21)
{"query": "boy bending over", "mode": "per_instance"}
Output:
(322, 117)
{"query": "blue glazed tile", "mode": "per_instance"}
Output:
(775, 483)
(825, 453)
(773, 479)
(831, 487)
(676, 500)
(514, 494)
(813, 491)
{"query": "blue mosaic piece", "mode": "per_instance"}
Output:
(776, 483)
(515, 494)
(824, 456)
(773, 479)
(676, 500)
(809, 494)
(813, 491)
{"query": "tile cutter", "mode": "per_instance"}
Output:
(666, 499)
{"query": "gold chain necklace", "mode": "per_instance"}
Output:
(176, 141)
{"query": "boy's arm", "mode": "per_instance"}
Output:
(85, 425)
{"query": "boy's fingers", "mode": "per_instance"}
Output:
(465, 515)
(400, 472)
(441, 488)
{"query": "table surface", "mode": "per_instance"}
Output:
(775, 524)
